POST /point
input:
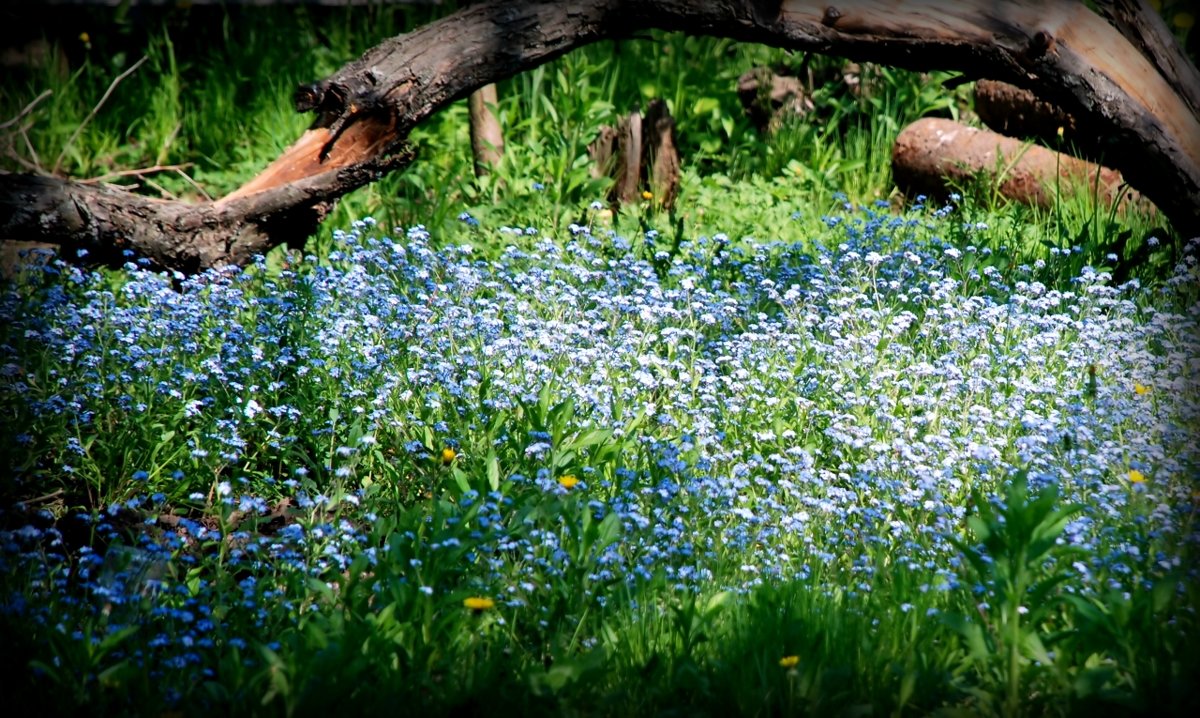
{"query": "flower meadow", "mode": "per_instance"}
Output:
(589, 473)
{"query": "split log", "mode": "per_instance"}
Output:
(932, 155)
(1059, 49)
(662, 154)
(487, 140)
(640, 152)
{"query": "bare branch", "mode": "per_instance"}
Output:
(107, 93)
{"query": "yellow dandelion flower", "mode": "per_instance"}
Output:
(448, 455)
(1141, 389)
(1136, 477)
(568, 482)
(647, 194)
(789, 661)
(85, 38)
(478, 603)
(1183, 20)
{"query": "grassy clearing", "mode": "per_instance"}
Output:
(790, 450)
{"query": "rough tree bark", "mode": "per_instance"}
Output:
(1009, 110)
(1117, 82)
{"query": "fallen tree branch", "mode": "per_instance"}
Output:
(932, 156)
(95, 109)
(26, 109)
(1146, 30)
(1060, 50)
(136, 173)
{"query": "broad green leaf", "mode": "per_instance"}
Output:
(1032, 647)
(705, 105)
(460, 479)
(493, 470)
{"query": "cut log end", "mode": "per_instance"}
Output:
(1016, 112)
(769, 99)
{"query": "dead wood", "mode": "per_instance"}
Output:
(1145, 29)
(1133, 97)
(640, 155)
(1016, 112)
(769, 98)
(932, 156)
(487, 139)
(662, 154)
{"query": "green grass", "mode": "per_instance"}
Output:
(795, 448)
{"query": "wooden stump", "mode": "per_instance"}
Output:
(639, 154)
(769, 98)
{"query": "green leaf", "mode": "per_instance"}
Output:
(1031, 646)
(115, 675)
(493, 470)
(1091, 681)
(705, 105)
(460, 479)
(972, 634)
(908, 685)
(113, 640)
(1087, 610)
(563, 458)
(589, 438)
(980, 527)
(47, 669)
(1162, 593)
(609, 531)
(1038, 595)
(717, 602)
(567, 671)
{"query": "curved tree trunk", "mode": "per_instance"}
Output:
(1127, 96)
